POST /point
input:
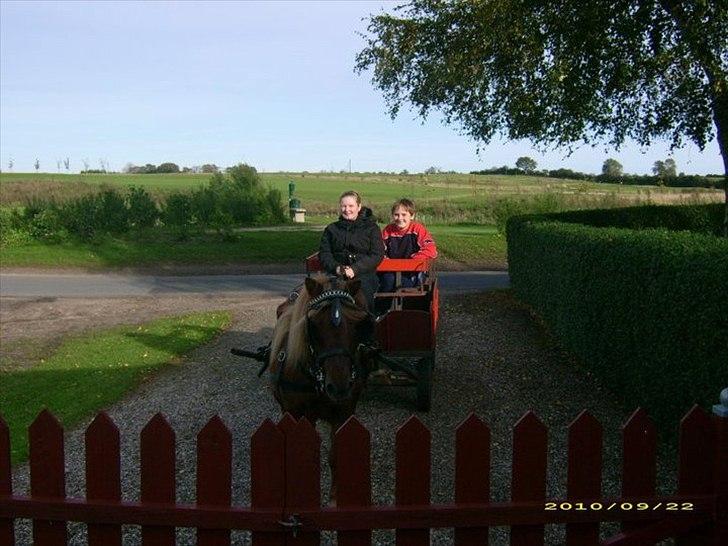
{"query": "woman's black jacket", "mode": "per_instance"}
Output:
(356, 243)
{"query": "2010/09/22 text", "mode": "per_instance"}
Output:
(624, 506)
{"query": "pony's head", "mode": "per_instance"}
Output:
(336, 322)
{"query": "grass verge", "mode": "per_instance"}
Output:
(465, 244)
(91, 372)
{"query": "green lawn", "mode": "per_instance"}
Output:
(464, 244)
(89, 373)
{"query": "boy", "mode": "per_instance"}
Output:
(405, 238)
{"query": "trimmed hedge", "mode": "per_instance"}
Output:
(645, 310)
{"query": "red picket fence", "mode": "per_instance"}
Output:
(285, 496)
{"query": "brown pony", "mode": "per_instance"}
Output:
(317, 367)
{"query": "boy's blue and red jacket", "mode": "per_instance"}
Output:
(412, 242)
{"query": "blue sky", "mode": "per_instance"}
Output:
(268, 83)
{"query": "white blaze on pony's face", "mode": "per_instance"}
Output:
(349, 208)
(335, 331)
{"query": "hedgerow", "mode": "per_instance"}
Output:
(229, 201)
(646, 310)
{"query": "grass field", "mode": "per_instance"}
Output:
(462, 211)
(319, 192)
(91, 372)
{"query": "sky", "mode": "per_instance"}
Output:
(271, 84)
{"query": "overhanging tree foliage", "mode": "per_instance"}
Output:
(559, 72)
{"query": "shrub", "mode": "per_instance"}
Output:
(80, 216)
(11, 232)
(47, 226)
(112, 216)
(645, 310)
(91, 215)
(205, 204)
(143, 211)
(178, 214)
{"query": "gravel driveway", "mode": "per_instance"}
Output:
(492, 358)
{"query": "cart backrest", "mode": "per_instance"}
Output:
(313, 264)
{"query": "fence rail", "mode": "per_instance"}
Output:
(285, 470)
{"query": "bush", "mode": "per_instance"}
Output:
(12, 233)
(91, 215)
(47, 226)
(645, 310)
(178, 214)
(143, 211)
(112, 216)
(80, 216)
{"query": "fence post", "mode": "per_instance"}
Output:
(214, 476)
(472, 474)
(302, 476)
(47, 474)
(157, 453)
(7, 534)
(528, 475)
(353, 475)
(267, 478)
(103, 475)
(412, 476)
(639, 455)
(584, 478)
(720, 476)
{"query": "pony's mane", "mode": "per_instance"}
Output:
(290, 330)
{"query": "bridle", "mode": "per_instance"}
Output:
(336, 299)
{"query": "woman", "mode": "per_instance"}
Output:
(352, 246)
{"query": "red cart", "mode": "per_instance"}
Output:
(406, 332)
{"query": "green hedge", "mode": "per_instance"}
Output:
(645, 310)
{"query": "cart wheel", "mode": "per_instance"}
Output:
(424, 383)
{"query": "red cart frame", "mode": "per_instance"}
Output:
(407, 331)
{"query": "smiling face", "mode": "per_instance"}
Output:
(402, 218)
(349, 207)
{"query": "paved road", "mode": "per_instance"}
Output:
(109, 285)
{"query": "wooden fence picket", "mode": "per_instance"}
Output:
(157, 450)
(639, 453)
(472, 474)
(412, 487)
(47, 475)
(528, 479)
(285, 507)
(353, 475)
(103, 475)
(696, 459)
(267, 477)
(584, 478)
(7, 533)
(214, 476)
(303, 474)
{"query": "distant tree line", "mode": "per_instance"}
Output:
(664, 173)
(170, 168)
